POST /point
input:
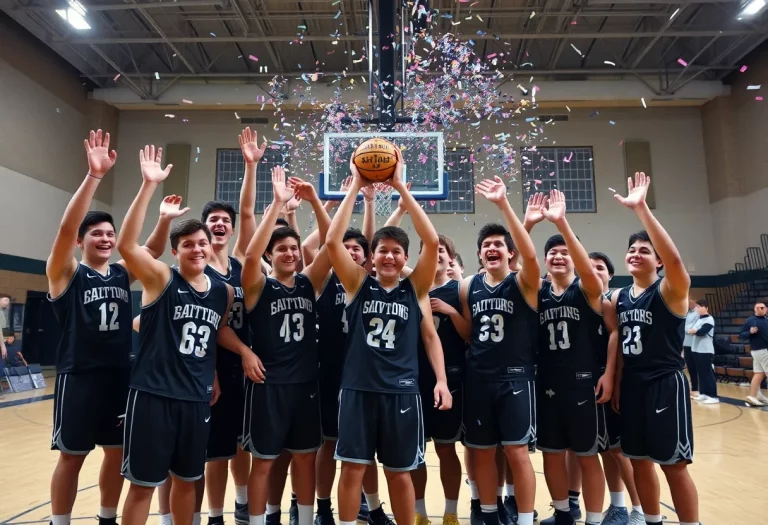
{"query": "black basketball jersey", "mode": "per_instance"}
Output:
(94, 315)
(454, 347)
(383, 339)
(237, 315)
(283, 324)
(651, 336)
(332, 328)
(177, 349)
(569, 334)
(504, 328)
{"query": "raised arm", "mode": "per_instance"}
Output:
(350, 274)
(400, 212)
(317, 272)
(61, 263)
(369, 212)
(530, 275)
(676, 281)
(434, 350)
(424, 272)
(252, 277)
(152, 273)
(246, 225)
(555, 213)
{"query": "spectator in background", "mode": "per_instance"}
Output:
(690, 320)
(5, 301)
(703, 352)
(755, 330)
(15, 357)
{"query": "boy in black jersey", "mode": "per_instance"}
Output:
(654, 395)
(283, 413)
(92, 302)
(570, 383)
(499, 386)
(443, 426)
(617, 467)
(166, 422)
(379, 405)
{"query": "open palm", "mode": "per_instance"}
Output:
(151, 168)
(252, 152)
(100, 159)
(556, 210)
(493, 190)
(282, 192)
(534, 210)
(302, 189)
(636, 191)
(171, 207)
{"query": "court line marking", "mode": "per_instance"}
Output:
(32, 509)
(25, 401)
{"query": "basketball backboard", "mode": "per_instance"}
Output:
(422, 152)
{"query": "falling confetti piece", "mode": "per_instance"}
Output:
(609, 63)
(759, 98)
(643, 101)
(157, 75)
(251, 57)
(753, 87)
(577, 50)
(614, 191)
(743, 69)
(237, 116)
(569, 109)
(116, 77)
(612, 123)
(682, 62)
(185, 101)
(170, 115)
(213, 35)
(198, 150)
(533, 13)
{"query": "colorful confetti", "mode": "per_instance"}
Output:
(682, 62)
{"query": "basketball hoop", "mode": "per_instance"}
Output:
(383, 199)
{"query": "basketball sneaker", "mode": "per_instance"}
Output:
(324, 517)
(422, 520)
(504, 517)
(475, 512)
(510, 504)
(636, 518)
(754, 401)
(241, 514)
(293, 512)
(272, 519)
(560, 517)
(615, 516)
(379, 517)
(574, 512)
(362, 514)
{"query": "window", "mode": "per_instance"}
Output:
(569, 170)
(461, 183)
(230, 167)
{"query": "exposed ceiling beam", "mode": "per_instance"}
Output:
(717, 60)
(129, 6)
(123, 74)
(662, 32)
(690, 62)
(164, 38)
(323, 38)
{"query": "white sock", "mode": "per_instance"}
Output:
(489, 508)
(271, 509)
(451, 506)
(510, 490)
(305, 514)
(689, 523)
(256, 520)
(61, 519)
(593, 518)
(656, 518)
(373, 501)
(241, 494)
(196, 518)
(215, 513)
(638, 508)
(473, 493)
(617, 499)
(165, 519)
(561, 504)
(525, 518)
(107, 513)
(345, 523)
(499, 491)
(421, 507)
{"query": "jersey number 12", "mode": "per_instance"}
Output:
(113, 324)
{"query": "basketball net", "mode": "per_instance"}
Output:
(383, 199)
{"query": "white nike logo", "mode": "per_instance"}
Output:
(662, 410)
(312, 396)
(477, 291)
(374, 289)
(454, 391)
(406, 410)
(207, 419)
(516, 392)
(90, 276)
(581, 402)
(183, 291)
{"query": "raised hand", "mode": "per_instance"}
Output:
(281, 191)
(292, 204)
(493, 190)
(252, 152)
(169, 208)
(401, 202)
(397, 179)
(556, 210)
(533, 212)
(361, 181)
(636, 191)
(100, 158)
(369, 191)
(302, 189)
(151, 168)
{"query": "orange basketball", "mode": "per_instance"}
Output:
(375, 159)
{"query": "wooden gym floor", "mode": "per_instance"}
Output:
(731, 447)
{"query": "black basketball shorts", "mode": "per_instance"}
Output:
(567, 419)
(164, 435)
(499, 413)
(281, 417)
(443, 426)
(88, 410)
(383, 425)
(227, 416)
(611, 423)
(656, 421)
(329, 407)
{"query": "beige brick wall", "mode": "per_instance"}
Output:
(17, 284)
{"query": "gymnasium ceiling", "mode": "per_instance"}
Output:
(216, 41)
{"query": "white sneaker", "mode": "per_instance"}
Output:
(636, 518)
(754, 401)
(710, 401)
(700, 397)
(761, 397)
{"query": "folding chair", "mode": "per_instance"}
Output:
(36, 374)
(20, 380)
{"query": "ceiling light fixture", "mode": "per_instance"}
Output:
(75, 15)
(752, 8)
